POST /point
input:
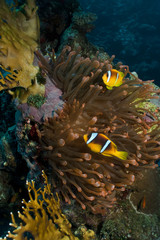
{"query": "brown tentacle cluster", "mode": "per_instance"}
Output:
(90, 178)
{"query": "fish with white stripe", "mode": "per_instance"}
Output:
(100, 143)
(113, 78)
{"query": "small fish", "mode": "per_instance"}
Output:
(113, 78)
(14, 198)
(142, 203)
(100, 143)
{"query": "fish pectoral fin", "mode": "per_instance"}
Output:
(109, 88)
(122, 155)
(119, 84)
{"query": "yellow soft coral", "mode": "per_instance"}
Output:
(19, 35)
(42, 217)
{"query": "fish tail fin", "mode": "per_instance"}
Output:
(122, 155)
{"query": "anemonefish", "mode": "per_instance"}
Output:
(100, 143)
(142, 203)
(113, 78)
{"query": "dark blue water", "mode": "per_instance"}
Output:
(131, 31)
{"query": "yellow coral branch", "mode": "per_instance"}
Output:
(41, 217)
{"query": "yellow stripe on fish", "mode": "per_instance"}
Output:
(100, 143)
(113, 78)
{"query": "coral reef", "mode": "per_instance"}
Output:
(12, 171)
(6, 190)
(19, 31)
(36, 100)
(81, 218)
(33, 90)
(83, 21)
(8, 149)
(55, 17)
(51, 104)
(90, 178)
(83, 233)
(65, 23)
(41, 217)
(145, 186)
(7, 113)
(75, 36)
(26, 133)
(55, 109)
(124, 223)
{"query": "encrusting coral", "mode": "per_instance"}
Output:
(91, 178)
(19, 36)
(42, 218)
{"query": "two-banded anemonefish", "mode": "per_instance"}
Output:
(100, 143)
(113, 78)
(142, 203)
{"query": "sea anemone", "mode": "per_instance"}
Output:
(91, 178)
